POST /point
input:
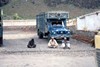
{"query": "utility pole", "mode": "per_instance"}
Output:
(2, 3)
(1, 27)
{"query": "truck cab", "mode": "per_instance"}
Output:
(52, 24)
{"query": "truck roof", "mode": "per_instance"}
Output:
(54, 12)
(62, 14)
(57, 12)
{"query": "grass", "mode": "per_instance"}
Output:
(27, 10)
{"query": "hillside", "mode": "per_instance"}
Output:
(28, 9)
(3, 2)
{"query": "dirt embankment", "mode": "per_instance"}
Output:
(79, 3)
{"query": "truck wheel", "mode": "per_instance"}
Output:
(49, 37)
(38, 32)
(40, 35)
(1, 41)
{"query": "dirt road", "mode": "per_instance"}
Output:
(45, 60)
(14, 53)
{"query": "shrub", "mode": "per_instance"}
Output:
(16, 16)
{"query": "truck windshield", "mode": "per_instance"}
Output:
(58, 24)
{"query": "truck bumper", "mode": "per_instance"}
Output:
(60, 36)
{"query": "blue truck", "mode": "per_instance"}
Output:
(1, 30)
(52, 24)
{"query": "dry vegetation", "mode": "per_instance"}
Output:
(28, 9)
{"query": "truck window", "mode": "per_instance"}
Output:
(57, 23)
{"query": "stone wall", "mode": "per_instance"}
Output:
(89, 34)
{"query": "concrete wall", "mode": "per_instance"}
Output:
(89, 22)
(19, 22)
(23, 25)
(85, 25)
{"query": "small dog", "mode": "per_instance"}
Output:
(31, 44)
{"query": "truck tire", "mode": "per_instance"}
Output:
(49, 37)
(38, 32)
(40, 35)
(1, 41)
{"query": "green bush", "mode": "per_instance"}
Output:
(16, 16)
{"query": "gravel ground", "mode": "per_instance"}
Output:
(45, 60)
(18, 40)
(14, 53)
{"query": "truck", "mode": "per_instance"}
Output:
(1, 29)
(52, 24)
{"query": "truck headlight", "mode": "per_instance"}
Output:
(53, 32)
(68, 32)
